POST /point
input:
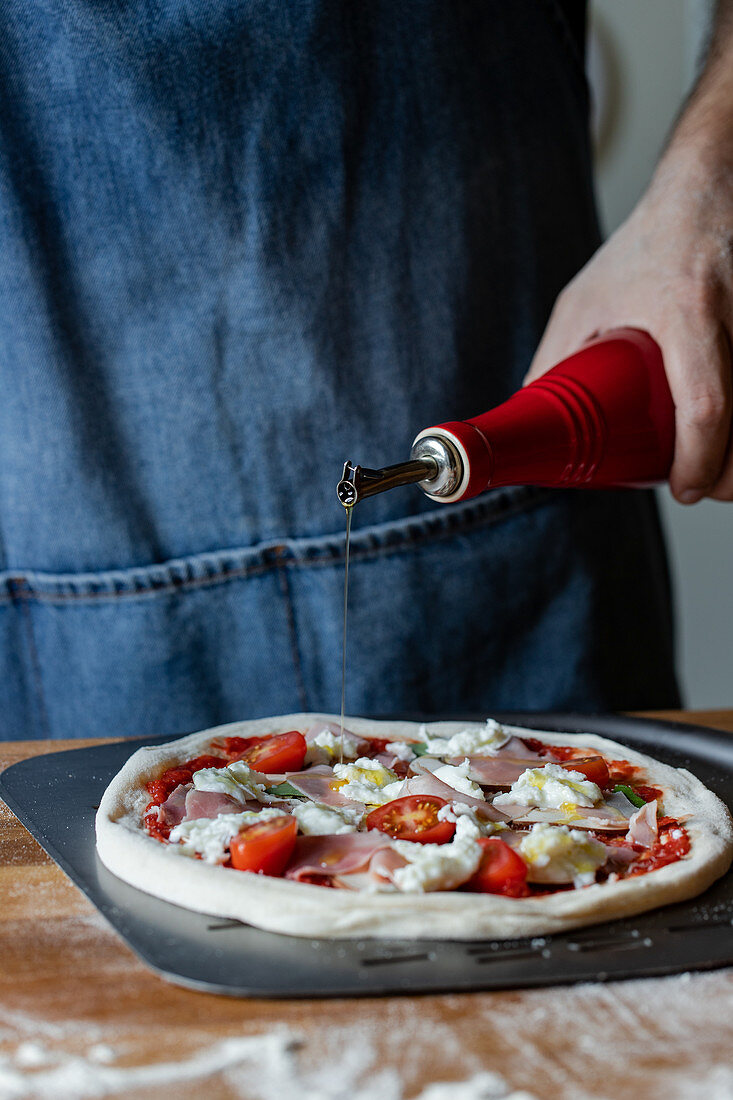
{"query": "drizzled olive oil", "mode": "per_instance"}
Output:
(349, 510)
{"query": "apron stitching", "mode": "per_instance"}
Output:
(167, 589)
(283, 557)
(19, 596)
(407, 541)
(284, 583)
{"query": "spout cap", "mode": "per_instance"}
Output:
(346, 490)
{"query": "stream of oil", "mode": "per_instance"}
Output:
(343, 643)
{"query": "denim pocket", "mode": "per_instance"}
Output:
(524, 599)
(520, 599)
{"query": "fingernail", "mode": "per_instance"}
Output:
(690, 496)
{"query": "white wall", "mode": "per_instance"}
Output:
(642, 60)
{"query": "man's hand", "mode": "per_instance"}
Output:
(669, 270)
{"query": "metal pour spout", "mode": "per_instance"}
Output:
(434, 465)
(359, 481)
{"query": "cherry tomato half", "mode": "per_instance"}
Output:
(283, 752)
(501, 871)
(414, 817)
(593, 768)
(264, 847)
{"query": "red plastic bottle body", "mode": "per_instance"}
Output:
(602, 418)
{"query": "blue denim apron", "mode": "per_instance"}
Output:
(239, 243)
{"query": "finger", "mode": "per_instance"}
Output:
(698, 365)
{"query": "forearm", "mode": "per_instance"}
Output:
(703, 134)
(669, 270)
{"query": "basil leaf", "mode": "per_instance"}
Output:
(418, 747)
(284, 790)
(631, 794)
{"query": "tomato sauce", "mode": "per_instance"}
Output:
(159, 789)
(672, 844)
(537, 746)
(567, 752)
(377, 745)
(647, 793)
(156, 828)
(621, 771)
(557, 752)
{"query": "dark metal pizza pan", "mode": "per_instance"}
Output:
(55, 796)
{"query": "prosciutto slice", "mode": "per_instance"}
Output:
(619, 855)
(316, 783)
(503, 770)
(394, 763)
(340, 854)
(643, 826)
(585, 817)
(384, 863)
(201, 804)
(173, 810)
(515, 749)
(494, 771)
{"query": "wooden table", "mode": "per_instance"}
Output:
(81, 1016)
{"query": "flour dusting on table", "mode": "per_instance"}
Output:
(257, 1067)
(583, 1042)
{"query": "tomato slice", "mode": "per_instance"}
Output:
(593, 768)
(264, 847)
(501, 871)
(414, 817)
(282, 752)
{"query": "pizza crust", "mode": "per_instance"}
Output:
(300, 909)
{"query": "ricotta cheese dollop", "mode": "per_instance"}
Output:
(551, 788)
(401, 749)
(366, 781)
(236, 779)
(315, 820)
(325, 747)
(474, 741)
(454, 810)
(555, 853)
(439, 866)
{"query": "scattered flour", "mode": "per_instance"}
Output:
(584, 1041)
(101, 1052)
(79, 1077)
(669, 1032)
(31, 1054)
(483, 1086)
(257, 1067)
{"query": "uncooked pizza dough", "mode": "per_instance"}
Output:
(302, 909)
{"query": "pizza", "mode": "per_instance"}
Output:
(447, 830)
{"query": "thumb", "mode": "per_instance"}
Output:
(565, 334)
